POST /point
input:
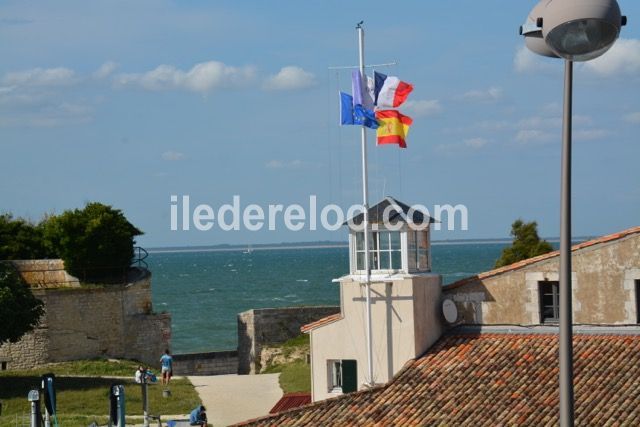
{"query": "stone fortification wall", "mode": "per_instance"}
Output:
(260, 327)
(212, 363)
(82, 322)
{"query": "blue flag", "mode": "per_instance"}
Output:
(346, 109)
(358, 115)
(362, 116)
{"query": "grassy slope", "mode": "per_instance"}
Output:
(84, 396)
(295, 376)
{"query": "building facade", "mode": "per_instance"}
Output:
(605, 287)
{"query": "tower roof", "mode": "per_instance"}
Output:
(399, 212)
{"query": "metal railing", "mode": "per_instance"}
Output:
(139, 256)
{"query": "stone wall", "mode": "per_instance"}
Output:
(260, 327)
(604, 277)
(212, 363)
(45, 273)
(115, 321)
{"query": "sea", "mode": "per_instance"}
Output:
(204, 290)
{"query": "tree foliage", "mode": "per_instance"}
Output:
(526, 244)
(20, 239)
(95, 243)
(20, 311)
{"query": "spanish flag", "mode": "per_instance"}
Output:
(394, 127)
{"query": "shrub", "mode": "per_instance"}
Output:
(96, 243)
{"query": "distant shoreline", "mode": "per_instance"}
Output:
(326, 245)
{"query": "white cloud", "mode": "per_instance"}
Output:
(633, 117)
(527, 136)
(475, 142)
(589, 134)
(423, 108)
(40, 77)
(202, 77)
(105, 70)
(49, 116)
(623, 58)
(526, 61)
(172, 156)
(290, 78)
(490, 94)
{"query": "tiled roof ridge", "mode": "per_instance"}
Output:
(514, 379)
(321, 322)
(374, 389)
(320, 403)
(531, 336)
(520, 264)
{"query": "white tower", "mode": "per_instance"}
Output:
(404, 303)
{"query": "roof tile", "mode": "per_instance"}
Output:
(492, 379)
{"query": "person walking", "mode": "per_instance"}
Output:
(167, 367)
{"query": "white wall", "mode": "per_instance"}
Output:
(406, 321)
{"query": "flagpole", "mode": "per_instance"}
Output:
(365, 204)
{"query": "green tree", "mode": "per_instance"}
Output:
(526, 244)
(96, 243)
(20, 311)
(20, 239)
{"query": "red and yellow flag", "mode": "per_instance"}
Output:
(394, 127)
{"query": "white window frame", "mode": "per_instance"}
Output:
(332, 377)
(353, 240)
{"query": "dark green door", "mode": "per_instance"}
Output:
(349, 376)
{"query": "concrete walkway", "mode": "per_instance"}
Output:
(230, 399)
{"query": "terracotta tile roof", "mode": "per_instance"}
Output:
(526, 262)
(290, 401)
(492, 379)
(321, 322)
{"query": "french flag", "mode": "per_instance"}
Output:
(389, 91)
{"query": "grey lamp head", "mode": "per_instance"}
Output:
(532, 32)
(577, 30)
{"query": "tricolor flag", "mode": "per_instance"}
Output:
(394, 127)
(390, 92)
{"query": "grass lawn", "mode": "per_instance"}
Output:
(294, 377)
(83, 396)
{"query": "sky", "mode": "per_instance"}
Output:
(128, 103)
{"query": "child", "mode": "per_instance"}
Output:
(167, 367)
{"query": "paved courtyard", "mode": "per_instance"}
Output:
(233, 398)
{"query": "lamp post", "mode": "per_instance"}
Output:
(576, 30)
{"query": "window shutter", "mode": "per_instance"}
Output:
(349, 376)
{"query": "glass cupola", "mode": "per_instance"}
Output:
(399, 240)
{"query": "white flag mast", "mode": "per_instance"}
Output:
(365, 205)
(369, 380)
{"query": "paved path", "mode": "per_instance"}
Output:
(230, 399)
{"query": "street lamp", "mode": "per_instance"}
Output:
(576, 30)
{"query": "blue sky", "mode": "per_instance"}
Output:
(128, 103)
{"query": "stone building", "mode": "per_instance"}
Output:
(407, 298)
(114, 321)
(494, 362)
(605, 281)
